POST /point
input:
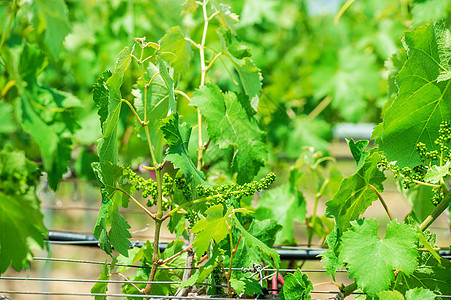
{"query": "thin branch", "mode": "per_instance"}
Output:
(213, 61)
(192, 42)
(327, 283)
(426, 184)
(131, 283)
(319, 108)
(437, 212)
(175, 255)
(153, 216)
(382, 201)
(182, 94)
(134, 112)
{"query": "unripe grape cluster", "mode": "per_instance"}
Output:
(147, 187)
(224, 192)
(414, 176)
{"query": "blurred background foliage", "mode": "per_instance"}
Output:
(317, 71)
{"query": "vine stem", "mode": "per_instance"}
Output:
(437, 212)
(233, 251)
(131, 283)
(203, 76)
(382, 201)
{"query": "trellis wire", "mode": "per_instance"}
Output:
(53, 259)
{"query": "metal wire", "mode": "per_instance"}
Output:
(100, 281)
(166, 268)
(115, 295)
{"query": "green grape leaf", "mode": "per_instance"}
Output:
(102, 287)
(55, 20)
(215, 227)
(249, 74)
(390, 295)
(330, 258)
(297, 286)
(225, 16)
(177, 136)
(190, 6)
(21, 220)
(229, 125)
(435, 278)
(266, 232)
(108, 147)
(206, 269)
(252, 241)
(396, 251)
(119, 234)
(420, 294)
(355, 194)
(436, 173)
(107, 175)
(284, 205)
(423, 100)
(100, 95)
(176, 50)
(166, 74)
(248, 286)
(152, 109)
(358, 150)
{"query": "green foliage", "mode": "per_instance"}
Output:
(355, 194)
(284, 205)
(423, 98)
(21, 221)
(230, 125)
(396, 251)
(102, 287)
(177, 137)
(297, 286)
(215, 226)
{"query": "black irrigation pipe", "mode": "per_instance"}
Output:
(288, 253)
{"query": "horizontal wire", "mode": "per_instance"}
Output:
(166, 268)
(100, 281)
(114, 295)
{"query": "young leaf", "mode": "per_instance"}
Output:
(152, 109)
(102, 287)
(248, 286)
(215, 226)
(108, 148)
(424, 98)
(176, 50)
(229, 125)
(390, 295)
(177, 136)
(249, 74)
(225, 16)
(100, 95)
(252, 241)
(119, 234)
(436, 173)
(358, 150)
(297, 286)
(169, 82)
(420, 294)
(396, 251)
(20, 218)
(355, 194)
(292, 208)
